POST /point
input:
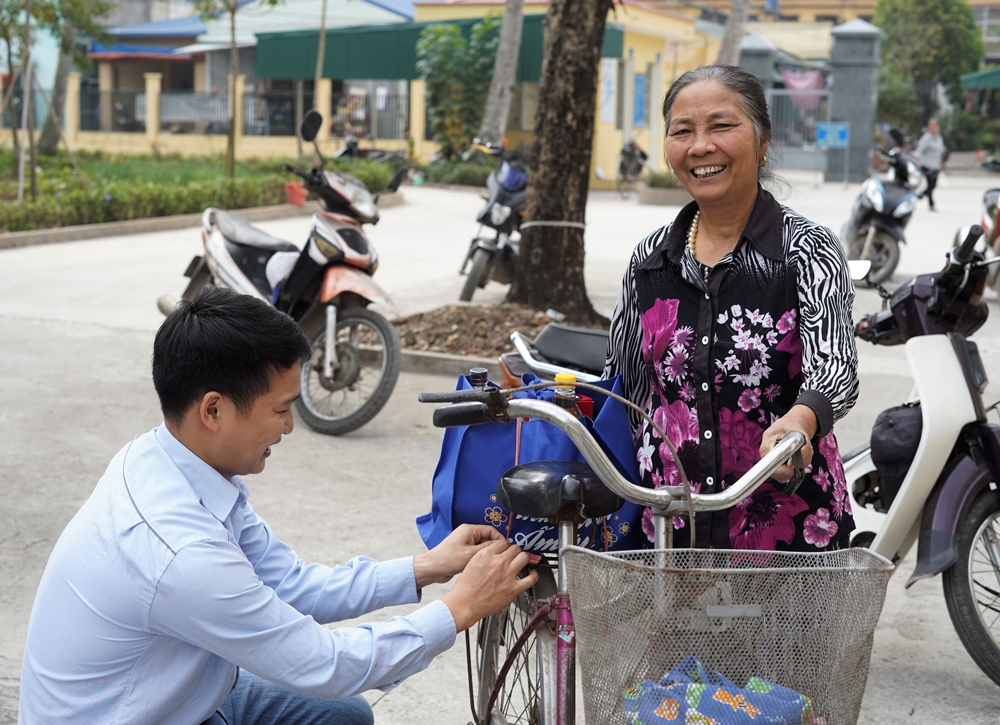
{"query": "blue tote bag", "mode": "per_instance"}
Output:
(474, 457)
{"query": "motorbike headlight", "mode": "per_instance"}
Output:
(913, 175)
(874, 194)
(499, 214)
(905, 207)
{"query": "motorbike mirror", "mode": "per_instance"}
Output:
(311, 125)
(859, 269)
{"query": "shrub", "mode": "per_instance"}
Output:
(662, 180)
(457, 172)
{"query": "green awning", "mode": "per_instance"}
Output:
(388, 52)
(981, 80)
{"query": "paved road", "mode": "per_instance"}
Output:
(76, 327)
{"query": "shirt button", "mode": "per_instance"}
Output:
(704, 386)
(704, 340)
(710, 481)
(708, 296)
(708, 435)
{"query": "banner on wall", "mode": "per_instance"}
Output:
(609, 76)
(639, 117)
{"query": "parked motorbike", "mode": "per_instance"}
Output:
(351, 150)
(628, 169)
(928, 476)
(989, 245)
(880, 214)
(326, 288)
(558, 348)
(496, 257)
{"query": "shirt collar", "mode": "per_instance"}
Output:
(215, 492)
(763, 231)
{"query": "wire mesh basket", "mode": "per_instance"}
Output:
(802, 621)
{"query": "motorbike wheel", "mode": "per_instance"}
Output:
(883, 254)
(972, 585)
(476, 276)
(369, 356)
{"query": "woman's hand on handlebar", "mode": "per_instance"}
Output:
(489, 583)
(800, 418)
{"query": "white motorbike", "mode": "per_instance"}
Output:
(929, 476)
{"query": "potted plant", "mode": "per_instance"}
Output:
(662, 187)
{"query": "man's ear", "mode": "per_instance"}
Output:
(210, 411)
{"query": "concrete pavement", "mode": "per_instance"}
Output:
(76, 327)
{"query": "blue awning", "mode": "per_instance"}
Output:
(120, 51)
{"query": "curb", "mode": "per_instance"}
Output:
(442, 363)
(83, 232)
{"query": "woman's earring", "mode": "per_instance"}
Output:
(762, 163)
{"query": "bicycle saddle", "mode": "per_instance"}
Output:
(238, 230)
(578, 347)
(553, 489)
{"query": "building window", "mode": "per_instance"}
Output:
(827, 19)
(988, 18)
(789, 18)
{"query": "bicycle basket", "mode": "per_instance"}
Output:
(803, 621)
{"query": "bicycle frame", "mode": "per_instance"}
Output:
(665, 502)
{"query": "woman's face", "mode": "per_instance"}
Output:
(711, 144)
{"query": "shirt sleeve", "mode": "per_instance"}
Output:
(211, 597)
(826, 327)
(324, 593)
(625, 339)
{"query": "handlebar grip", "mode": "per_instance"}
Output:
(963, 255)
(459, 414)
(297, 171)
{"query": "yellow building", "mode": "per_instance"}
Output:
(657, 45)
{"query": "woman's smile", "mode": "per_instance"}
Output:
(707, 172)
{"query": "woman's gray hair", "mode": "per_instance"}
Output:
(752, 98)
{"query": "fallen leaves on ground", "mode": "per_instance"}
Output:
(469, 330)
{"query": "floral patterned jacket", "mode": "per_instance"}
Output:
(715, 362)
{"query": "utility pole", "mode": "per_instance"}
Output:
(320, 52)
(26, 97)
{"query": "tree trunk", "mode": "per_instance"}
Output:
(729, 53)
(320, 57)
(31, 144)
(48, 142)
(234, 70)
(550, 264)
(494, 123)
(9, 95)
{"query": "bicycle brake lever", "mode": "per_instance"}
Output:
(792, 485)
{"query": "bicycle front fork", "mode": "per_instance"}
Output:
(565, 636)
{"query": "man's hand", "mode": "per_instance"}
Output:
(451, 556)
(800, 418)
(488, 584)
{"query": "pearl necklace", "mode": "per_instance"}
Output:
(693, 232)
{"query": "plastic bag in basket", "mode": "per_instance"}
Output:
(693, 695)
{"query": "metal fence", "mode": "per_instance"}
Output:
(794, 115)
(120, 111)
(372, 109)
(194, 113)
(39, 110)
(272, 113)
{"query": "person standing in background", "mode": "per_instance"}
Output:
(930, 153)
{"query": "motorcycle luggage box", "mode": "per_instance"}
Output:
(577, 347)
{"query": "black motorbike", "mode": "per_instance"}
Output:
(880, 214)
(495, 257)
(351, 150)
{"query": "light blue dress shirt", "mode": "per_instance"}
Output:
(167, 580)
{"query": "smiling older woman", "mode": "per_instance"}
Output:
(733, 327)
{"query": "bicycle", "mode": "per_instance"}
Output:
(628, 170)
(526, 653)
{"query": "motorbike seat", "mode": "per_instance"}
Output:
(239, 231)
(577, 347)
(553, 489)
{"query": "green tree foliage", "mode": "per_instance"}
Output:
(457, 71)
(930, 42)
(898, 102)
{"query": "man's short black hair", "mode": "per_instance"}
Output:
(226, 342)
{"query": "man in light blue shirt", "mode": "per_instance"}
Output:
(167, 599)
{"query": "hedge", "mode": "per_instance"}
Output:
(456, 172)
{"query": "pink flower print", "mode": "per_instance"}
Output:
(718, 382)
(679, 522)
(792, 344)
(737, 324)
(678, 421)
(677, 365)
(749, 399)
(822, 479)
(644, 455)
(657, 479)
(682, 337)
(736, 310)
(742, 340)
(758, 344)
(731, 363)
(687, 392)
(723, 318)
(658, 325)
(755, 317)
(818, 529)
(771, 392)
(647, 524)
(765, 518)
(772, 338)
(828, 449)
(841, 503)
(767, 323)
(787, 322)
(739, 438)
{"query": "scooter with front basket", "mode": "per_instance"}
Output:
(929, 476)
(633, 616)
(327, 288)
